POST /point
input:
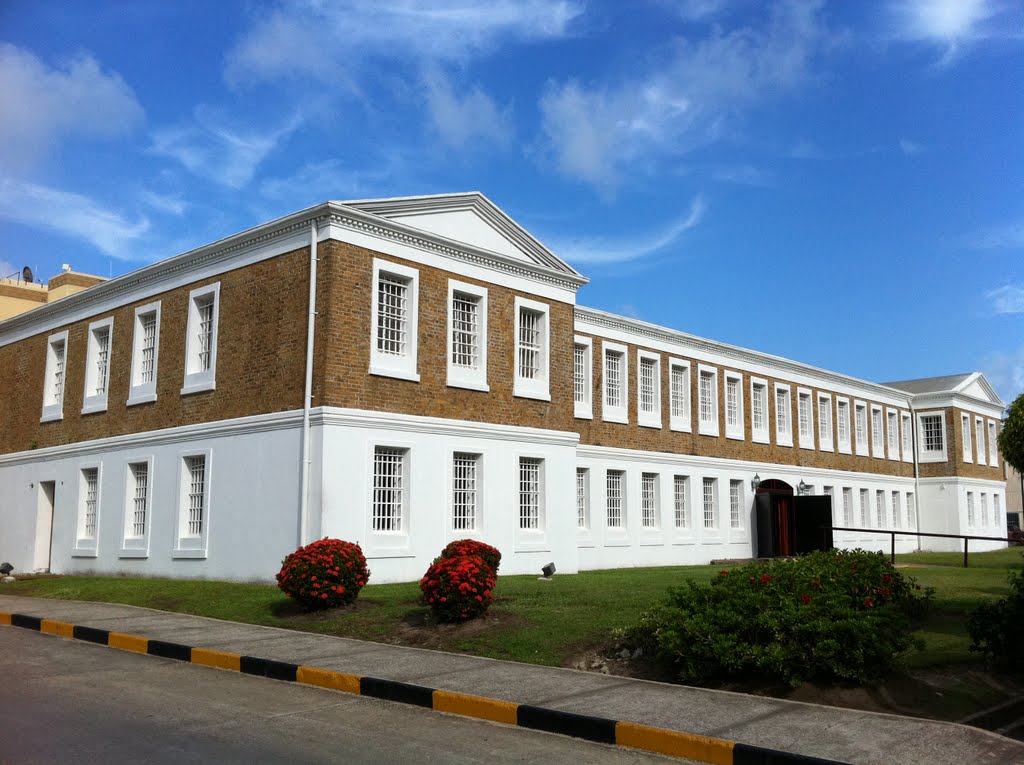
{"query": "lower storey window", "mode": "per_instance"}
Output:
(710, 489)
(529, 493)
(679, 492)
(649, 500)
(139, 499)
(582, 498)
(90, 503)
(464, 491)
(615, 501)
(910, 509)
(196, 498)
(735, 510)
(388, 489)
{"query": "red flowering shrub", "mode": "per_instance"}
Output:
(324, 574)
(460, 547)
(458, 588)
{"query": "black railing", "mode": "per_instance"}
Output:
(892, 534)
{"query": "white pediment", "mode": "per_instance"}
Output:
(976, 386)
(464, 226)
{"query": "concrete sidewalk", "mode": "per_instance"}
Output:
(804, 729)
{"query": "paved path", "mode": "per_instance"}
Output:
(833, 733)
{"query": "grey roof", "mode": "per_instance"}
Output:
(930, 384)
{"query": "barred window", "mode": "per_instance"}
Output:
(931, 426)
(615, 500)
(679, 497)
(861, 415)
(649, 500)
(707, 397)
(971, 520)
(979, 430)
(529, 493)
(90, 507)
(997, 511)
(825, 420)
(843, 422)
(148, 349)
(648, 380)
(880, 509)
(905, 433)
(196, 497)
(993, 444)
(984, 509)
(895, 509)
(393, 314)
(710, 520)
(965, 438)
(910, 509)
(782, 413)
(732, 402)
(679, 392)
(865, 511)
(465, 330)
(758, 407)
(200, 341)
(102, 339)
(804, 412)
(388, 489)
(529, 343)
(464, 491)
(140, 497)
(894, 432)
(582, 498)
(57, 378)
(847, 507)
(613, 378)
(877, 441)
(579, 374)
(735, 517)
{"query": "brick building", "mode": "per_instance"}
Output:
(403, 372)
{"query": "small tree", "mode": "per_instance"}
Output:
(1011, 437)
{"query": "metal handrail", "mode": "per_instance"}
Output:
(892, 535)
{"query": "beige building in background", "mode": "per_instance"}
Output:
(18, 296)
(1014, 499)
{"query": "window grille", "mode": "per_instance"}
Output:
(392, 314)
(932, 426)
(757, 408)
(613, 378)
(58, 372)
(91, 477)
(388, 489)
(979, 431)
(680, 393)
(865, 511)
(804, 407)
(782, 412)
(146, 371)
(910, 509)
(647, 383)
(843, 421)
(734, 504)
(707, 403)
(906, 435)
(196, 494)
(880, 508)
(204, 307)
(732, 403)
(861, 415)
(581, 498)
(965, 437)
(997, 511)
(895, 509)
(709, 503)
(825, 419)
(465, 330)
(649, 500)
(529, 344)
(993, 444)
(102, 337)
(984, 509)
(614, 498)
(579, 374)
(876, 430)
(140, 479)
(464, 491)
(529, 493)
(847, 507)
(970, 509)
(679, 492)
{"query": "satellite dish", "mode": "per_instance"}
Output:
(26, 274)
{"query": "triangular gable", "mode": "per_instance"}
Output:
(470, 218)
(976, 386)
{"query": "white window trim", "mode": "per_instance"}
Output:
(737, 431)
(681, 534)
(675, 422)
(862, 444)
(805, 441)
(783, 438)
(894, 454)
(649, 419)
(618, 535)
(877, 439)
(532, 539)
(762, 435)
(704, 427)
(478, 509)
(825, 444)
(905, 423)
(614, 413)
(132, 546)
(537, 388)
(923, 454)
(713, 533)
(966, 438)
(980, 421)
(144, 393)
(185, 545)
(583, 532)
(992, 431)
(390, 543)
(844, 446)
(93, 402)
(738, 530)
(197, 382)
(458, 376)
(584, 409)
(651, 534)
(88, 547)
(54, 411)
(385, 364)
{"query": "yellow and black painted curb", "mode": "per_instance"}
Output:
(599, 729)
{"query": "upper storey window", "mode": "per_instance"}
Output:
(806, 414)
(679, 394)
(824, 422)
(395, 329)
(965, 437)
(532, 331)
(877, 434)
(708, 401)
(201, 339)
(932, 433)
(616, 383)
(993, 445)
(893, 434)
(733, 405)
(54, 377)
(582, 382)
(649, 400)
(860, 418)
(759, 411)
(97, 366)
(783, 416)
(145, 352)
(467, 336)
(843, 425)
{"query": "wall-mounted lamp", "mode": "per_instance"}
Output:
(755, 482)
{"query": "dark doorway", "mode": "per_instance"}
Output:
(788, 524)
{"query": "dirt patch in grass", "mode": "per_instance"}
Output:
(421, 629)
(290, 610)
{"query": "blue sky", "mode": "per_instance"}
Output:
(840, 183)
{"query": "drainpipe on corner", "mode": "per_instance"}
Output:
(307, 398)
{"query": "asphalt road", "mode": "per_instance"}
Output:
(64, 700)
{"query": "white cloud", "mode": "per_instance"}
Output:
(745, 175)
(165, 203)
(1007, 299)
(953, 24)
(223, 153)
(39, 105)
(334, 179)
(909, 147)
(458, 121)
(686, 100)
(619, 250)
(73, 215)
(309, 38)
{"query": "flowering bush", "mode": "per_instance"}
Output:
(324, 574)
(458, 588)
(491, 555)
(836, 615)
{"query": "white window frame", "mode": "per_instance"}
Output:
(783, 437)
(877, 432)
(897, 514)
(847, 506)
(531, 533)
(909, 509)
(707, 426)
(650, 419)
(682, 515)
(623, 484)
(892, 433)
(980, 438)
(584, 409)
(880, 508)
(906, 436)
(993, 444)
(88, 546)
(966, 438)
(972, 518)
(844, 445)
(650, 501)
(806, 439)
(680, 422)
(135, 545)
(862, 441)
(759, 389)
(825, 434)
(582, 499)
(92, 401)
(141, 392)
(53, 406)
(736, 505)
(737, 430)
(710, 515)
(477, 492)
(619, 413)
(983, 508)
(198, 380)
(924, 454)
(460, 376)
(402, 366)
(187, 545)
(536, 387)
(865, 509)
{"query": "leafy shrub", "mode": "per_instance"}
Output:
(1016, 538)
(997, 628)
(458, 588)
(828, 616)
(324, 574)
(491, 555)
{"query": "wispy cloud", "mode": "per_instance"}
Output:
(909, 147)
(1007, 299)
(40, 105)
(745, 175)
(685, 100)
(1006, 237)
(461, 120)
(165, 203)
(336, 179)
(72, 215)
(618, 250)
(954, 24)
(221, 152)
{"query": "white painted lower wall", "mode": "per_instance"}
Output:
(946, 502)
